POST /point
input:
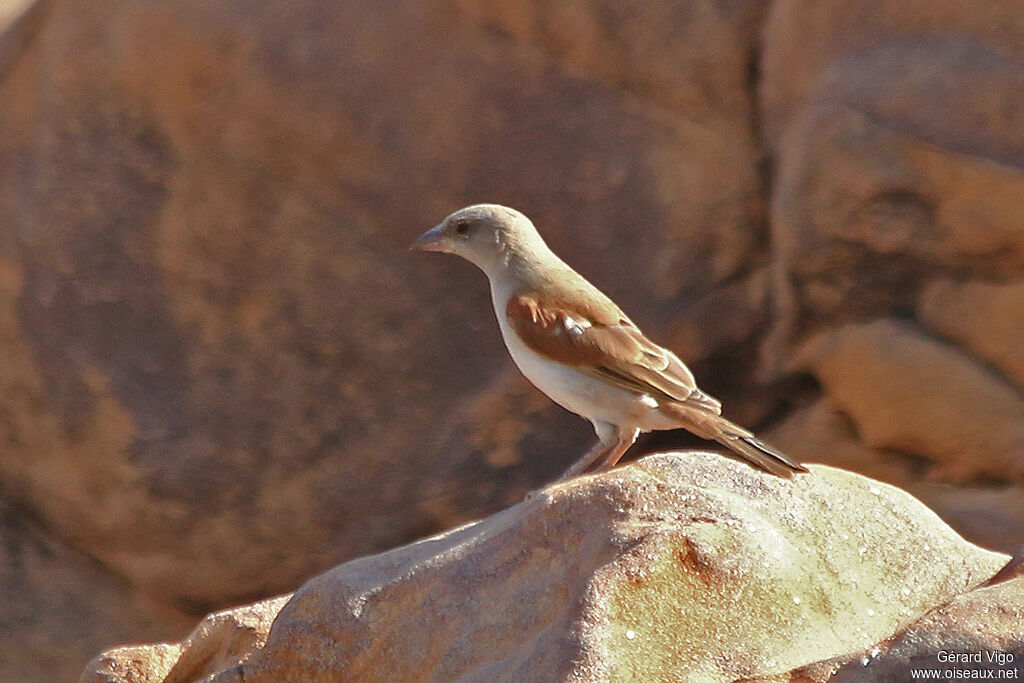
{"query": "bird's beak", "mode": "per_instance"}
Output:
(431, 240)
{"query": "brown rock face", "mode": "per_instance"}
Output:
(209, 297)
(898, 256)
(206, 304)
(51, 593)
(639, 574)
(205, 295)
(906, 391)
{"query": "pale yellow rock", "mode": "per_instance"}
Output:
(132, 664)
(910, 392)
(680, 567)
(987, 513)
(985, 317)
(982, 626)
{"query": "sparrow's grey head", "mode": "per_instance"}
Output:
(487, 235)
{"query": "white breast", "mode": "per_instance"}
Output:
(578, 393)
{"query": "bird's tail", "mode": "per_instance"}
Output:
(763, 455)
(709, 425)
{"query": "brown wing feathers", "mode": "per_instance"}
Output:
(555, 333)
(617, 352)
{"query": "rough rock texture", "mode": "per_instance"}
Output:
(982, 628)
(986, 621)
(59, 604)
(206, 283)
(627, 576)
(217, 643)
(897, 248)
(206, 306)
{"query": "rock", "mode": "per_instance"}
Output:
(871, 56)
(632, 572)
(919, 414)
(974, 633)
(897, 155)
(217, 643)
(985, 621)
(822, 432)
(19, 21)
(659, 51)
(61, 606)
(987, 513)
(206, 307)
(984, 317)
(894, 128)
(867, 215)
(132, 664)
(907, 392)
(206, 297)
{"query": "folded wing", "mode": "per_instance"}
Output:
(604, 344)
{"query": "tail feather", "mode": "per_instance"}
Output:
(758, 453)
(710, 425)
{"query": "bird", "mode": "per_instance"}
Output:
(576, 345)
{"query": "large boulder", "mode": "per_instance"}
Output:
(898, 253)
(206, 294)
(206, 305)
(206, 300)
(59, 605)
(685, 566)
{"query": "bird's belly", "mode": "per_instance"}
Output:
(586, 396)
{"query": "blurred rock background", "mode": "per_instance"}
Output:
(221, 373)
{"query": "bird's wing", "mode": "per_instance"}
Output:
(605, 344)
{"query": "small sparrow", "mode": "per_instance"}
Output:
(575, 345)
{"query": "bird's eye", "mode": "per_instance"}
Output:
(462, 228)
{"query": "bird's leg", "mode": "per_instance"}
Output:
(595, 453)
(603, 447)
(613, 443)
(624, 439)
